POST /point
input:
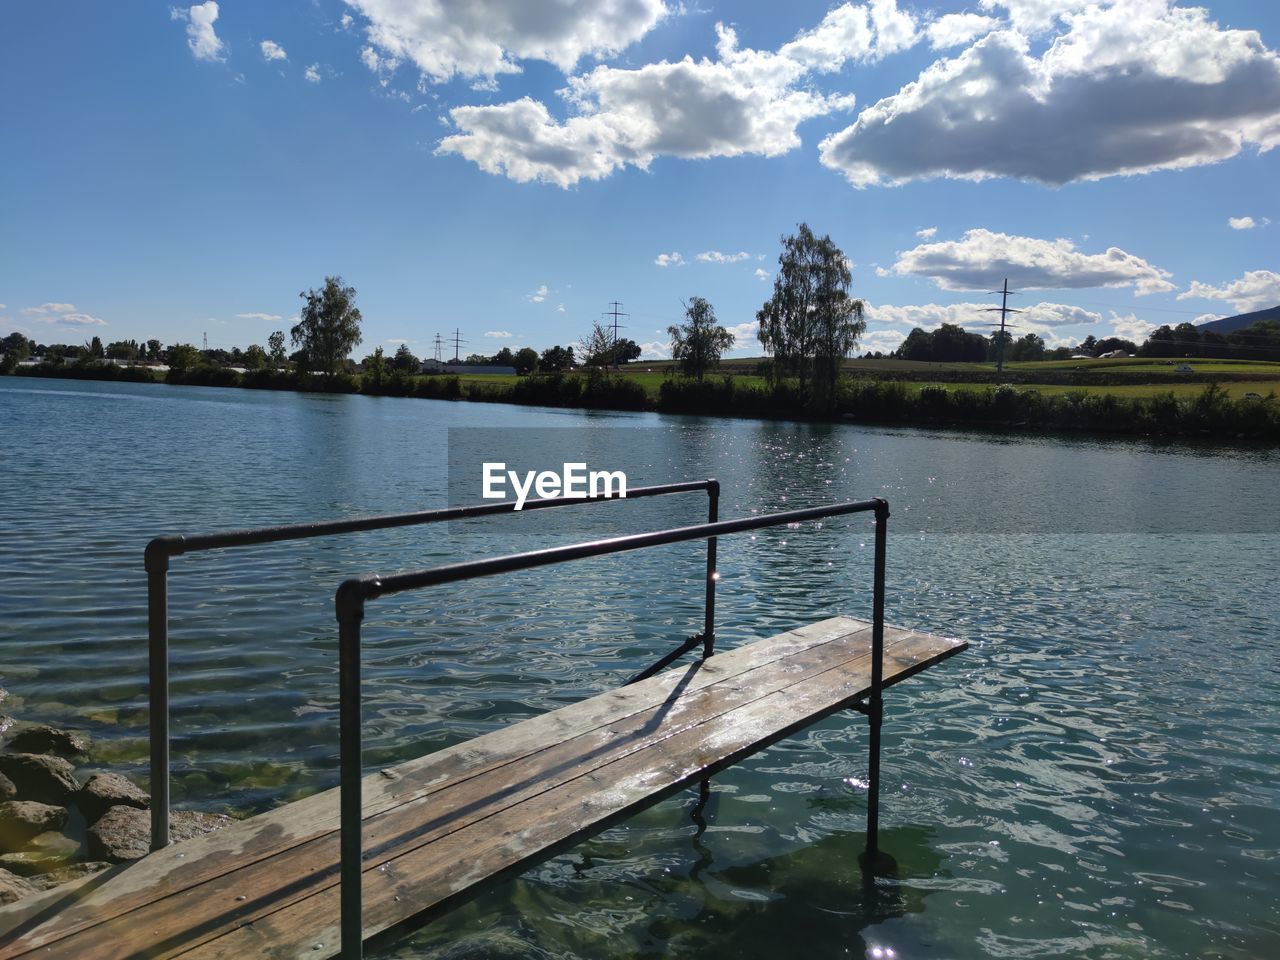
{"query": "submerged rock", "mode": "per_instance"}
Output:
(14, 887)
(47, 852)
(46, 739)
(23, 820)
(102, 791)
(40, 778)
(124, 833)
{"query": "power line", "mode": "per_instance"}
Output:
(1004, 310)
(457, 343)
(615, 314)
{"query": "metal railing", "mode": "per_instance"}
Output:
(161, 549)
(353, 594)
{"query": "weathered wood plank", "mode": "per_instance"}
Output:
(273, 889)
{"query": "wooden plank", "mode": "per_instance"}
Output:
(489, 779)
(169, 871)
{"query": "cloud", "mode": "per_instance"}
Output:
(201, 38)
(926, 233)
(1241, 223)
(345, 23)
(672, 259)
(1130, 88)
(744, 101)
(969, 315)
(485, 38)
(761, 274)
(1035, 16)
(746, 337)
(715, 256)
(956, 28)
(983, 259)
(655, 350)
(538, 295)
(272, 51)
(559, 308)
(1256, 290)
(49, 308)
(266, 317)
(499, 334)
(1129, 327)
(64, 314)
(312, 74)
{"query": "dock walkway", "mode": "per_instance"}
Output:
(442, 828)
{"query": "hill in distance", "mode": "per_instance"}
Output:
(1240, 321)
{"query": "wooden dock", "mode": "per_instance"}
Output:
(440, 829)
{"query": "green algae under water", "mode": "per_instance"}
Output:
(1097, 776)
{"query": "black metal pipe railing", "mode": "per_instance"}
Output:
(161, 549)
(353, 594)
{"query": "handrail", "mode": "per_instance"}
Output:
(354, 593)
(161, 549)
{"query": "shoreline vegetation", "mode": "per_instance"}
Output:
(1068, 400)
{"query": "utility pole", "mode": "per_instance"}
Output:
(439, 349)
(615, 313)
(1004, 310)
(206, 341)
(457, 343)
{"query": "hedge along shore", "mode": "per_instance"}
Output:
(1212, 414)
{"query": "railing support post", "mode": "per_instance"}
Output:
(709, 618)
(156, 561)
(875, 702)
(350, 610)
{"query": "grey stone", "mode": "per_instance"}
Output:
(124, 833)
(45, 739)
(14, 888)
(40, 778)
(7, 790)
(22, 820)
(102, 791)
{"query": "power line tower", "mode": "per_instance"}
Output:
(439, 348)
(1004, 310)
(615, 313)
(457, 342)
(206, 341)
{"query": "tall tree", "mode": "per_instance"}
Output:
(596, 348)
(255, 358)
(275, 349)
(404, 361)
(525, 360)
(811, 324)
(698, 343)
(557, 358)
(329, 326)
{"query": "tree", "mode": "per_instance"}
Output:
(275, 349)
(153, 349)
(525, 360)
(1089, 346)
(183, 356)
(557, 358)
(404, 361)
(1112, 344)
(255, 358)
(95, 349)
(375, 368)
(626, 351)
(811, 324)
(504, 358)
(476, 360)
(597, 346)
(328, 327)
(698, 343)
(1028, 347)
(126, 350)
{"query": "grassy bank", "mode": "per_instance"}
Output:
(1213, 409)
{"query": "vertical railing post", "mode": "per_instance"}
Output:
(350, 609)
(156, 560)
(709, 618)
(875, 704)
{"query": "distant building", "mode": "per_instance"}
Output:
(435, 366)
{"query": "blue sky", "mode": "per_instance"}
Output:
(508, 167)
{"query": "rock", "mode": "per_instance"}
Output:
(21, 820)
(6, 722)
(47, 852)
(14, 888)
(74, 871)
(7, 790)
(40, 778)
(124, 833)
(102, 791)
(45, 739)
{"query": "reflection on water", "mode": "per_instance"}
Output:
(1096, 776)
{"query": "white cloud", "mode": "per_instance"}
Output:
(499, 334)
(559, 308)
(201, 38)
(396, 340)
(381, 67)
(64, 314)
(1256, 290)
(926, 233)
(761, 274)
(956, 28)
(312, 74)
(266, 317)
(1129, 88)
(1035, 16)
(655, 350)
(538, 295)
(1241, 223)
(49, 308)
(969, 315)
(880, 341)
(746, 337)
(672, 259)
(982, 259)
(743, 102)
(715, 256)
(485, 38)
(1130, 327)
(345, 23)
(272, 51)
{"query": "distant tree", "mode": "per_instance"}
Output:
(328, 327)
(811, 324)
(153, 350)
(504, 358)
(998, 340)
(375, 368)
(275, 349)
(1027, 347)
(477, 360)
(1159, 343)
(95, 349)
(1088, 346)
(1187, 337)
(255, 358)
(183, 356)
(917, 346)
(557, 358)
(526, 360)
(1112, 344)
(596, 347)
(123, 350)
(698, 343)
(626, 351)
(17, 345)
(404, 361)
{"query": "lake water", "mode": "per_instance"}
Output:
(1097, 776)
